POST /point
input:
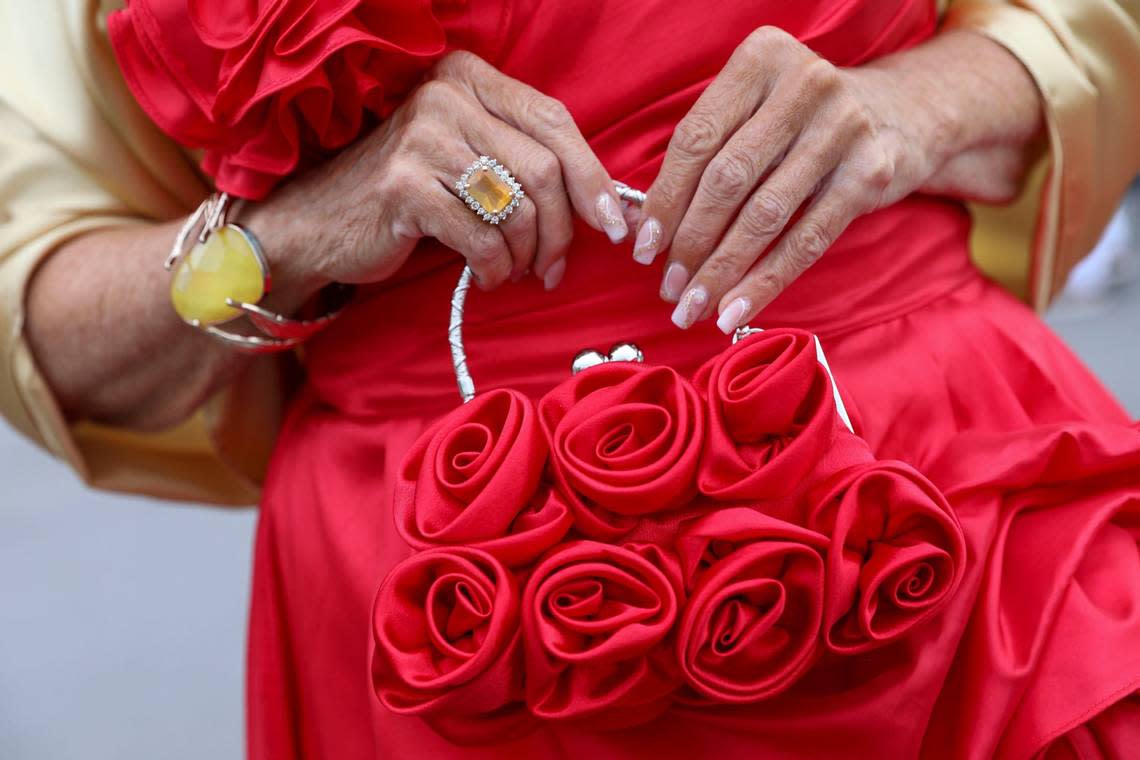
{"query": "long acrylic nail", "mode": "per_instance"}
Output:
(676, 278)
(690, 307)
(648, 241)
(609, 216)
(733, 315)
(554, 274)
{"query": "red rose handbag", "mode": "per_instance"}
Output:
(638, 539)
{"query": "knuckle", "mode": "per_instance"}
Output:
(766, 285)
(548, 114)
(485, 247)
(399, 175)
(454, 62)
(881, 173)
(819, 76)
(811, 242)
(690, 243)
(697, 136)
(432, 94)
(765, 37)
(544, 174)
(723, 269)
(730, 174)
(856, 122)
(766, 215)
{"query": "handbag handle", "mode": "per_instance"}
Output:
(459, 354)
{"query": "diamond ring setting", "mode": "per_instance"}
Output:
(489, 189)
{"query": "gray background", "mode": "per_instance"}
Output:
(122, 621)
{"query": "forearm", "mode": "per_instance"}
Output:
(104, 334)
(971, 106)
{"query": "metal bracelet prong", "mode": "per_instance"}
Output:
(191, 223)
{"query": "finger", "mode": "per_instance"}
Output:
(520, 230)
(537, 170)
(761, 220)
(728, 180)
(547, 121)
(721, 109)
(517, 220)
(807, 240)
(441, 215)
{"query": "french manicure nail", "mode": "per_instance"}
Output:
(732, 316)
(691, 305)
(611, 219)
(554, 274)
(648, 239)
(676, 278)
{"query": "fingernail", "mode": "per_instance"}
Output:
(732, 316)
(691, 306)
(648, 238)
(554, 274)
(676, 278)
(609, 216)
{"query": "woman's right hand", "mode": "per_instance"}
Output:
(357, 217)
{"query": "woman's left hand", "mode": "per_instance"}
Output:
(782, 129)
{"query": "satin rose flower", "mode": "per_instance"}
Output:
(596, 621)
(752, 624)
(897, 553)
(258, 85)
(472, 479)
(625, 441)
(771, 417)
(447, 646)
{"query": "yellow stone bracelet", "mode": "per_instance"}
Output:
(225, 275)
(229, 265)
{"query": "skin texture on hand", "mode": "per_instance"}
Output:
(98, 313)
(378, 198)
(99, 316)
(782, 131)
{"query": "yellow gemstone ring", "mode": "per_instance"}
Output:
(489, 190)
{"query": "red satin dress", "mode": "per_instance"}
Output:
(1038, 653)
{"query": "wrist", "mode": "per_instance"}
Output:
(288, 250)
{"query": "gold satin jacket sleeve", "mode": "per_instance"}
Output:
(1084, 56)
(77, 154)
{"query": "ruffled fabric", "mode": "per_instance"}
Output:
(689, 599)
(264, 85)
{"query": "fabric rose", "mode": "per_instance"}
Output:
(771, 417)
(625, 441)
(897, 553)
(752, 624)
(596, 625)
(447, 647)
(258, 85)
(472, 478)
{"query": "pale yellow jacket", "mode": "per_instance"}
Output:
(77, 153)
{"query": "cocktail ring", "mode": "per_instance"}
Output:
(489, 190)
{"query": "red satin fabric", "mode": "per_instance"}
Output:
(1020, 640)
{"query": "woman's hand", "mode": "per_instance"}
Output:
(358, 217)
(780, 129)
